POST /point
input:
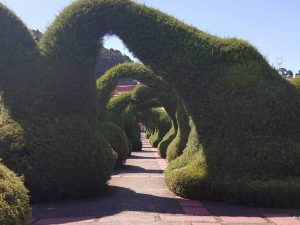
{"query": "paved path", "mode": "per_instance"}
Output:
(137, 195)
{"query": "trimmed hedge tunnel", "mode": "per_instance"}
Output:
(158, 124)
(245, 118)
(105, 86)
(107, 83)
(226, 79)
(141, 102)
(143, 99)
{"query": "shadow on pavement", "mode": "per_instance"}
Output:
(113, 201)
(134, 169)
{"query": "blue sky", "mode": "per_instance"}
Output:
(273, 26)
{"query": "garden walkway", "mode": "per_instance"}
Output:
(137, 195)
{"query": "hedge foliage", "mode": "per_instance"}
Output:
(296, 81)
(118, 111)
(48, 127)
(244, 117)
(132, 128)
(178, 144)
(145, 97)
(116, 138)
(118, 133)
(166, 141)
(14, 200)
(118, 107)
(108, 82)
(158, 124)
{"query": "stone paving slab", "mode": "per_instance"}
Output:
(282, 219)
(137, 195)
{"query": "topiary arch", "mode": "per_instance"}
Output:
(245, 120)
(105, 87)
(107, 83)
(144, 99)
(61, 153)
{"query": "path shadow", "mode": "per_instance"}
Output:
(142, 157)
(134, 169)
(147, 146)
(113, 201)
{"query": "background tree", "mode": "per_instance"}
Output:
(289, 74)
(108, 58)
(37, 35)
(286, 73)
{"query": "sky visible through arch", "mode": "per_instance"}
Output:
(273, 26)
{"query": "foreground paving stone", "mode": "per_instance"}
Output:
(137, 195)
(243, 220)
(283, 219)
(188, 218)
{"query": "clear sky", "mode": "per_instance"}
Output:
(273, 26)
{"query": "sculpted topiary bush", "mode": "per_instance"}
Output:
(48, 128)
(117, 139)
(120, 112)
(14, 200)
(158, 123)
(108, 82)
(106, 85)
(115, 110)
(178, 144)
(165, 142)
(245, 117)
(132, 129)
(162, 95)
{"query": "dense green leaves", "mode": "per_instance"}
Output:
(116, 138)
(296, 81)
(14, 201)
(43, 136)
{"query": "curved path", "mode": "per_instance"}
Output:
(137, 195)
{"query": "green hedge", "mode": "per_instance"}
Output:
(178, 144)
(132, 129)
(48, 132)
(116, 138)
(145, 97)
(14, 200)
(296, 81)
(263, 193)
(166, 141)
(120, 111)
(141, 98)
(116, 107)
(158, 123)
(108, 82)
